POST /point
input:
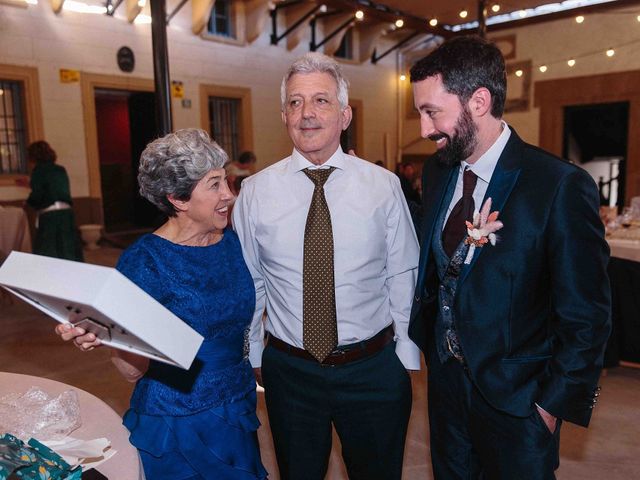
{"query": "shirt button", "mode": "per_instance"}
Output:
(445, 308)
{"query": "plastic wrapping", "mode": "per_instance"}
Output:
(36, 414)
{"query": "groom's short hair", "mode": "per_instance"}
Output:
(465, 64)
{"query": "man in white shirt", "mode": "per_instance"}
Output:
(351, 371)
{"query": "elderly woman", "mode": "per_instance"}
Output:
(199, 423)
(50, 196)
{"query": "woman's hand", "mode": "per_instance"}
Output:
(81, 339)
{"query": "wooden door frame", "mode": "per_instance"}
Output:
(89, 82)
(552, 96)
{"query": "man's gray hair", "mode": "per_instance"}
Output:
(174, 164)
(315, 62)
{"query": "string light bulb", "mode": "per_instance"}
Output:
(463, 14)
(403, 77)
(543, 68)
(611, 52)
(399, 23)
(571, 62)
(359, 14)
(519, 73)
(433, 22)
(579, 19)
(495, 8)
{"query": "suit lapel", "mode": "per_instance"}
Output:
(437, 178)
(504, 178)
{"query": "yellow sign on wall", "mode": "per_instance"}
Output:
(177, 89)
(69, 76)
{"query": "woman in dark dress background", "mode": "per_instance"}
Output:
(56, 234)
(200, 423)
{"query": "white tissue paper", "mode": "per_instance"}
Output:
(88, 453)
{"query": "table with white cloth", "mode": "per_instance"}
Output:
(98, 420)
(14, 231)
(624, 275)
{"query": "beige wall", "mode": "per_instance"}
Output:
(552, 42)
(35, 36)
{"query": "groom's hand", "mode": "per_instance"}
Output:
(549, 420)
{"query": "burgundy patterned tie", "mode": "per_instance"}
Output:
(455, 229)
(319, 324)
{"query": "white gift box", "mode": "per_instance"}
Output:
(103, 301)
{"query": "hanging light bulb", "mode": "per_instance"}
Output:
(463, 14)
(519, 73)
(433, 22)
(611, 52)
(571, 62)
(543, 68)
(495, 8)
(359, 14)
(579, 19)
(399, 23)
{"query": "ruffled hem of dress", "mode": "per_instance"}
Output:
(217, 443)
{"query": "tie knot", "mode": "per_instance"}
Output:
(469, 180)
(318, 175)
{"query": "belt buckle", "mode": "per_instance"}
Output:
(335, 352)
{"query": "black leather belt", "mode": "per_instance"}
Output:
(341, 355)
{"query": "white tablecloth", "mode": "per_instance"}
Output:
(14, 231)
(98, 420)
(625, 249)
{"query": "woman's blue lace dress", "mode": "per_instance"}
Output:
(199, 423)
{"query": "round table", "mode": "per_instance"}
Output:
(98, 420)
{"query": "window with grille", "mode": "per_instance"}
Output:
(224, 123)
(13, 158)
(221, 20)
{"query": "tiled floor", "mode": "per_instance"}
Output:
(609, 449)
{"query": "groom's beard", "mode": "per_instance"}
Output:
(461, 144)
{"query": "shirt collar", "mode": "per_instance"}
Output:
(337, 160)
(486, 164)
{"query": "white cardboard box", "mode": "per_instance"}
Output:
(118, 311)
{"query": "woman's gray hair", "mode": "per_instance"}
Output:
(174, 164)
(315, 62)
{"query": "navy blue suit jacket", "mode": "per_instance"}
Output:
(533, 311)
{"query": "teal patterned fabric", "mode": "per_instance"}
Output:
(33, 461)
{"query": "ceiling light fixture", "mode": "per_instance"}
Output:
(543, 68)
(611, 52)
(359, 14)
(399, 23)
(579, 19)
(571, 62)
(519, 73)
(433, 22)
(463, 14)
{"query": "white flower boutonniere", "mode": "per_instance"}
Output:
(482, 230)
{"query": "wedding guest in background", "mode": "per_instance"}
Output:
(199, 423)
(512, 309)
(56, 233)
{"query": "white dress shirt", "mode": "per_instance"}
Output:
(375, 250)
(483, 168)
